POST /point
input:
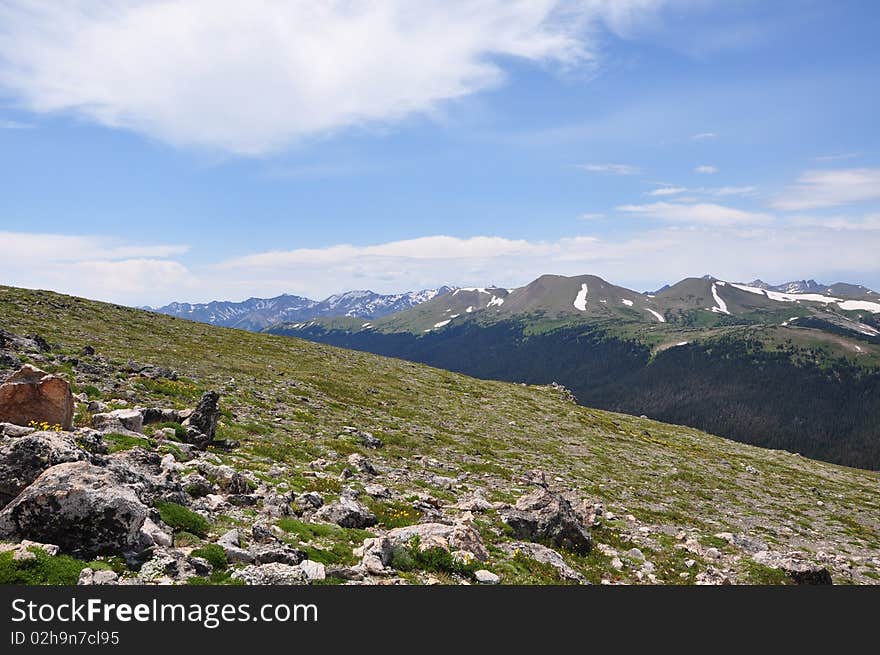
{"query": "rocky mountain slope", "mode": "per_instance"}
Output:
(798, 371)
(257, 313)
(335, 466)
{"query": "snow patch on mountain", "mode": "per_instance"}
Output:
(580, 301)
(720, 306)
(656, 315)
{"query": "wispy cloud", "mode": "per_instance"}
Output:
(733, 191)
(696, 214)
(870, 222)
(667, 191)
(706, 170)
(830, 188)
(592, 216)
(612, 169)
(253, 79)
(704, 136)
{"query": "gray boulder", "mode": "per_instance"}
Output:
(23, 459)
(348, 513)
(84, 509)
(459, 536)
(119, 420)
(202, 423)
(271, 574)
(546, 516)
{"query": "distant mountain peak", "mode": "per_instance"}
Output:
(258, 313)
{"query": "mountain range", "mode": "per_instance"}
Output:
(335, 466)
(794, 366)
(254, 314)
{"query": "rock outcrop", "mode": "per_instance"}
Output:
(201, 425)
(23, 459)
(84, 509)
(31, 395)
(546, 516)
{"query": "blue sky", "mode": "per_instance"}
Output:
(198, 150)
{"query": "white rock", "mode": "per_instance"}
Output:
(486, 577)
(313, 570)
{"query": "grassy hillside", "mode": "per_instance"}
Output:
(666, 490)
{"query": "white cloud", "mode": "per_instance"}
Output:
(732, 191)
(869, 222)
(669, 253)
(255, 77)
(93, 266)
(667, 191)
(613, 169)
(830, 188)
(653, 257)
(592, 216)
(696, 214)
(706, 170)
(704, 136)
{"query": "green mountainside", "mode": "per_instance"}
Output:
(663, 503)
(797, 371)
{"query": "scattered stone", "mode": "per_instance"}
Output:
(31, 395)
(635, 554)
(347, 513)
(281, 553)
(361, 463)
(377, 491)
(486, 577)
(310, 500)
(313, 570)
(156, 535)
(796, 566)
(271, 574)
(119, 420)
(88, 577)
(544, 555)
(12, 430)
(202, 423)
(712, 576)
(459, 536)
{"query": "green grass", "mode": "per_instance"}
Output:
(119, 442)
(182, 518)
(215, 555)
(495, 433)
(44, 569)
(393, 514)
(432, 560)
(323, 542)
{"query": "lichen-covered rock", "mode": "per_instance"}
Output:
(459, 536)
(24, 458)
(202, 423)
(347, 513)
(546, 516)
(119, 420)
(84, 509)
(271, 574)
(30, 394)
